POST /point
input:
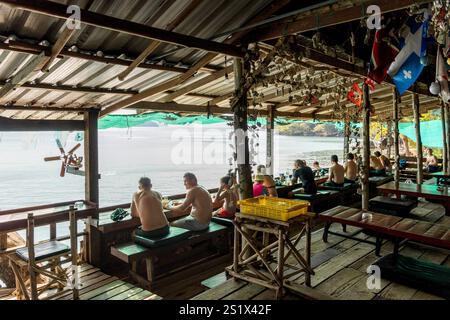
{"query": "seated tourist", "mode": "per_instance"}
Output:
(431, 164)
(351, 169)
(305, 174)
(376, 167)
(147, 206)
(384, 161)
(258, 186)
(268, 183)
(198, 201)
(337, 173)
(227, 197)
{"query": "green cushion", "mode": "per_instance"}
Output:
(175, 235)
(418, 274)
(305, 196)
(213, 227)
(346, 186)
(44, 250)
(223, 221)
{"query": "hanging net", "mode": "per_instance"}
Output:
(430, 132)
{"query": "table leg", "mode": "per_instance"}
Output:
(236, 249)
(308, 253)
(280, 262)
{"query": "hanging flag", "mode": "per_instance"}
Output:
(442, 76)
(384, 51)
(406, 68)
(355, 95)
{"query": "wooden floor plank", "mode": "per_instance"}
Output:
(141, 295)
(221, 291)
(114, 292)
(96, 283)
(246, 293)
(267, 294)
(93, 293)
(127, 294)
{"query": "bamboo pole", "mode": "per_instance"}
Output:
(396, 135)
(444, 139)
(346, 139)
(31, 260)
(270, 139)
(416, 110)
(240, 107)
(74, 251)
(447, 129)
(366, 148)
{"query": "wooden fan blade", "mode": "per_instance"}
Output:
(60, 146)
(74, 148)
(52, 158)
(63, 170)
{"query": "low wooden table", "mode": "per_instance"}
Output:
(441, 178)
(254, 262)
(418, 190)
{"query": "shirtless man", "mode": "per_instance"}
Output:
(432, 162)
(146, 205)
(228, 197)
(384, 161)
(351, 169)
(376, 166)
(199, 199)
(337, 173)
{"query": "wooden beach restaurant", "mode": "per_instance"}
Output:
(67, 66)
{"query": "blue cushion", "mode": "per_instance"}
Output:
(305, 196)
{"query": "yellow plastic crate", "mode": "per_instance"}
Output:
(274, 208)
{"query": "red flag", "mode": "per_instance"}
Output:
(383, 54)
(355, 95)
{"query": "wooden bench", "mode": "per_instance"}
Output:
(394, 228)
(177, 252)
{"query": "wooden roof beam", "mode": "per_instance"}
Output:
(197, 109)
(155, 44)
(333, 17)
(58, 10)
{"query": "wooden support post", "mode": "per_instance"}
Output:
(416, 110)
(346, 139)
(444, 139)
(74, 251)
(93, 253)
(270, 140)
(447, 129)
(389, 139)
(240, 107)
(31, 257)
(366, 148)
(396, 135)
(3, 241)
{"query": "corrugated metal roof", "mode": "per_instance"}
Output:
(208, 19)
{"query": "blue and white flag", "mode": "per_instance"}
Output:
(406, 68)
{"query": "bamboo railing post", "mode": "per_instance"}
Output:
(74, 250)
(416, 110)
(31, 257)
(366, 148)
(270, 139)
(396, 136)
(240, 107)
(444, 139)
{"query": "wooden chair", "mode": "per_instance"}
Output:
(46, 259)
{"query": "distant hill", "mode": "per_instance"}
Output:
(310, 129)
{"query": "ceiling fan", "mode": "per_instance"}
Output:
(71, 163)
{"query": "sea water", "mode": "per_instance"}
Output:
(162, 153)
